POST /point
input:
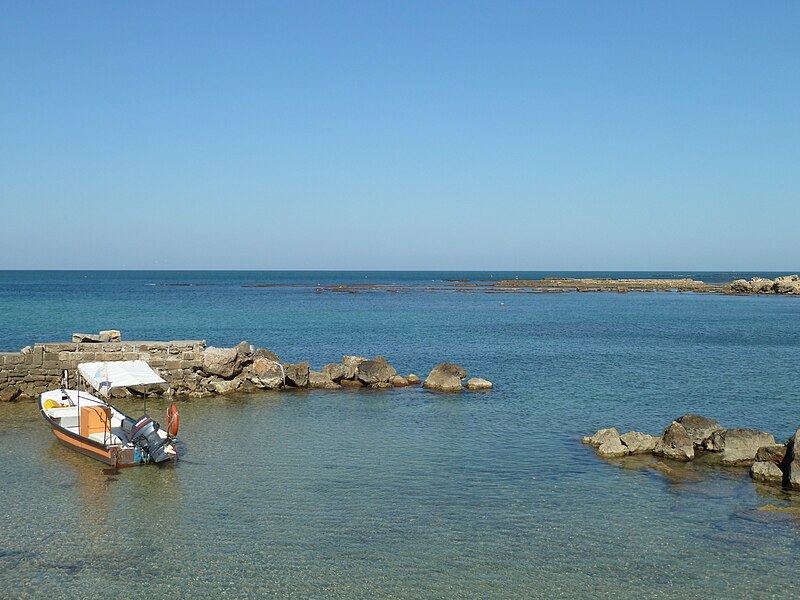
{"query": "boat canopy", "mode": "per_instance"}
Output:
(103, 376)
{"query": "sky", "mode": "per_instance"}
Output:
(560, 135)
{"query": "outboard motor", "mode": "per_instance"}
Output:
(144, 435)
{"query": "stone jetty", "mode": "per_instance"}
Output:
(698, 438)
(194, 369)
(787, 285)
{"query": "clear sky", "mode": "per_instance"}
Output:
(399, 135)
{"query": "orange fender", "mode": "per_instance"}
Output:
(172, 420)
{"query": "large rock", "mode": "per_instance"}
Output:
(412, 379)
(378, 370)
(791, 464)
(741, 286)
(738, 446)
(319, 380)
(353, 361)
(445, 377)
(639, 443)
(612, 448)
(86, 338)
(699, 428)
(10, 394)
(267, 373)
(478, 383)
(264, 353)
(226, 386)
(297, 374)
(790, 284)
(762, 286)
(776, 454)
(111, 335)
(601, 437)
(338, 371)
(398, 381)
(676, 443)
(766, 471)
(222, 362)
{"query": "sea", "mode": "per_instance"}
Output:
(406, 493)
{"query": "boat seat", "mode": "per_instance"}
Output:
(66, 411)
(109, 439)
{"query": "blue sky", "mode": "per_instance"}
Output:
(388, 135)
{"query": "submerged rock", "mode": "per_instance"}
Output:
(445, 377)
(698, 427)
(478, 383)
(639, 443)
(676, 443)
(766, 471)
(10, 394)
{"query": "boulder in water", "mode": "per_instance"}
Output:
(639, 443)
(738, 446)
(698, 427)
(445, 377)
(297, 374)
(676, 443)
(478, 383)
(378, 370)
(601, 437)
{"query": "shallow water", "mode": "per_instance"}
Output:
(404, 493)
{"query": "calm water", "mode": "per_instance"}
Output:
(404, 493)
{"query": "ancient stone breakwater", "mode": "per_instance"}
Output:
(192, 368)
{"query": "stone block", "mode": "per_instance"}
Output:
(50, 365)
(172, 363)
(130, 356)
(38, 353)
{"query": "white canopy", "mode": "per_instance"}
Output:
(103, 376)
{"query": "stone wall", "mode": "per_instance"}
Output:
(36, 369)
(191, 368)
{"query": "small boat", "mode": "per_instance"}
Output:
(91, 426)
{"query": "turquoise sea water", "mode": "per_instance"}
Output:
(405, 493)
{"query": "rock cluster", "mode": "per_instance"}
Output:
(685, 439)
(692, 437)
(788, 284)
(447, 377)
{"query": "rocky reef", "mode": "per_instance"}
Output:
(193, 369)
(698, 438)
(789, 285)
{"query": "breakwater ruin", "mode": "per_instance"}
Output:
(194, 369)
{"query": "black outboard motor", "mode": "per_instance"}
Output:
(144, 435)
